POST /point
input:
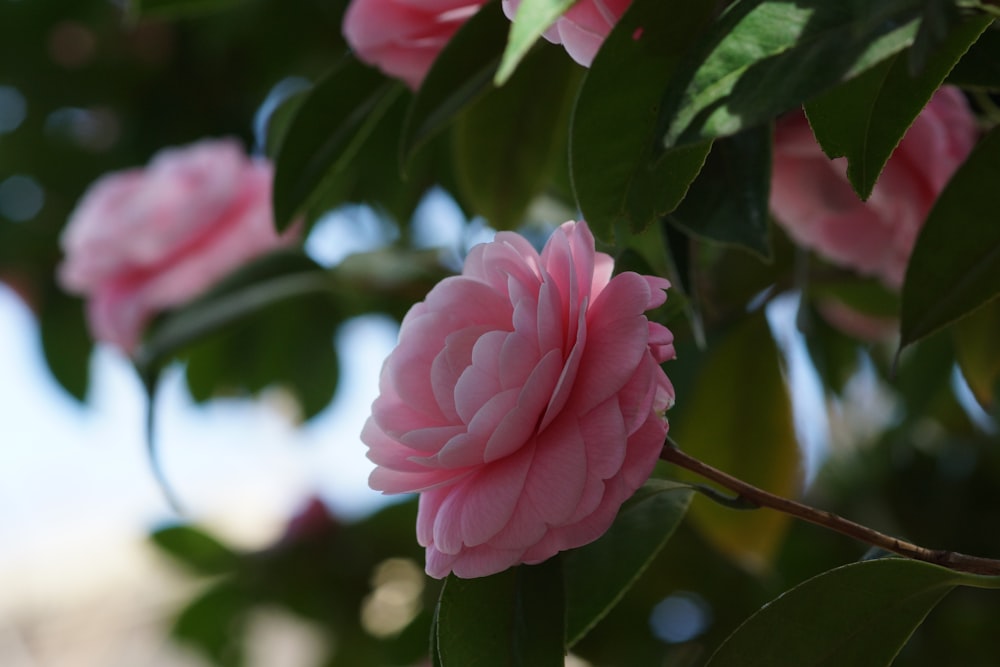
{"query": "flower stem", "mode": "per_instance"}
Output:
(950, 559)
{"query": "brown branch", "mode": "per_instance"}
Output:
(950, 559)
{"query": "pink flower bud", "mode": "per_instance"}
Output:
(403, 37)
(813, 200)
(583, 28)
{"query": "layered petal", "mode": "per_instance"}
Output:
(524, 402)
(813, 200)
(404, 37)
(146, 240)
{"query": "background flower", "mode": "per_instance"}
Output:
(144, 240)
(813, 200)
(582, 29)
(403, 37)
(525, 401)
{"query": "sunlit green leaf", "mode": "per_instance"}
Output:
(533, 17)
(728, 202)
(460, 74)
(865, 118)
(764, 57)
(505, 149)
(600, 573)
(516, 617)
(613, 125)
(327, 130)
(739, 419)
(859, 615)
(955, 265)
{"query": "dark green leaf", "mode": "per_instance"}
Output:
(858, 615)
(65, 341)
(728, 201)
(435, 651)
(460, 74)
(868, 296)
(195, 549)
(980, 67)
(978, 354)
(764, 57)
(865, 118)
(939, 18)
(533, 17)
(214, 622)
(955, 265)
(174, 9)
(600, 573)
(753, 438)
(512, 619)
(612, 134)
(238, 297)
(835, 355)
(280, 311)
(328, 129)
(506, 149)
(281, 119)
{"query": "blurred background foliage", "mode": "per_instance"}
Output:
(91, 86)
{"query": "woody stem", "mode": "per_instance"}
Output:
(950, 559)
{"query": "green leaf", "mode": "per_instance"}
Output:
(600, 573)
(214, 623)
(979, 68)
(977, 353)
(505, 149)
(238, 297)
(514, 618)
(460, 74)
(858, 615)
(738, 417)
(282, 303)
(728, 201)
(868, 296)
(66, 343)
(612, 134)
(533, 17)
(938, 19)
(281, 119)
(329, 127)
(175, 9)
(197, 550)
(865, 118)
(954, 266)
(764, 57)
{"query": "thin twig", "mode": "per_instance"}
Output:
(950, 559)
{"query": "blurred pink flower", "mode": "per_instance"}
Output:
(145, 240)
(403, 37)
(582, 29)
(524, 401)
(813, 200)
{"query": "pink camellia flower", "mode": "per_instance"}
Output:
(403, 37)
(145, 240)
(813, 200)
(582, 29)
(524, 402)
